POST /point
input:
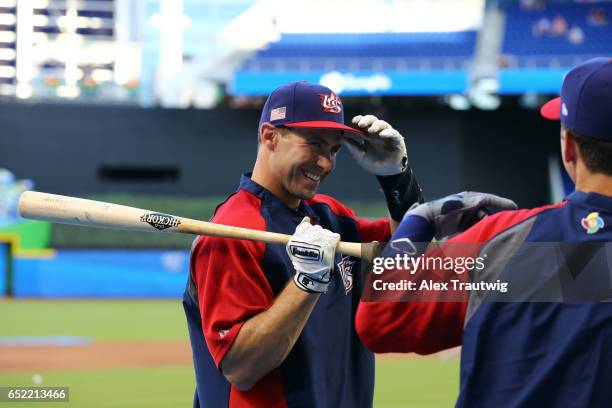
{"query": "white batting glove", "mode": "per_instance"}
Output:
(383, 151)
(312, 249)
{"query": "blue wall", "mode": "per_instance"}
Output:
(518, 81)
(108, 273)
(408, 82)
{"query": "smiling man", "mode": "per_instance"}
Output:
(297, 162)
(273, 326)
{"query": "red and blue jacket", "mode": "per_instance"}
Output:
(548, 345)
(234, 280)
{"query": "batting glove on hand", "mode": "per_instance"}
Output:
(458, 212)
(312, 249)
(383, 151)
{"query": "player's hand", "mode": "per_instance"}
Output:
(312, 249)
(457, 212)
(383, 151)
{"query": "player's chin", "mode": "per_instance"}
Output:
(306, 194)
(306, 188)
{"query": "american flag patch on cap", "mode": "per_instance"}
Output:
(278, 113)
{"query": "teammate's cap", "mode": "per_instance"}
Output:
(305, 105)
(585, 105)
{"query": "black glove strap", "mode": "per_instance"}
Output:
(401, 191)
(307, 284)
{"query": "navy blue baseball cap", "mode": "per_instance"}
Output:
(585, 105)
(305, 105)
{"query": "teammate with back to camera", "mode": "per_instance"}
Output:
(273, 326)
(548, 343)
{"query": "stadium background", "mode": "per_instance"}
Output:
(154, 104)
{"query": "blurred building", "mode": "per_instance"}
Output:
(60, 49)
(200, 53)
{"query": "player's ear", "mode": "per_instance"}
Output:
(569, 152)
(569, 147)
(267, 136)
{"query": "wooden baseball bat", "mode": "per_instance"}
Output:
(90, 213)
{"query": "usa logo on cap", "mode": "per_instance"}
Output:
(305, 105)
(331, 103)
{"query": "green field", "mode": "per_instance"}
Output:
(118, 388)
(400, 382)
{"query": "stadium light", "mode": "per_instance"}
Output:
(483, 94)
(24, 48)
(458, 102)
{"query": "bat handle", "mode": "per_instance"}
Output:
(366, 251)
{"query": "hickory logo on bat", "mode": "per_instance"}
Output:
(160, 221)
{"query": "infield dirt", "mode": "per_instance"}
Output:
(108, 354)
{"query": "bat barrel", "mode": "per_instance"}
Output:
(78, 211)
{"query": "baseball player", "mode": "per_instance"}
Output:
(273, 326)
(547, 341)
